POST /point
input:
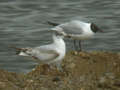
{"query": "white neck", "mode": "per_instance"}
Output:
(58, 40)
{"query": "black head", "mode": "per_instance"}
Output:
(95, 28)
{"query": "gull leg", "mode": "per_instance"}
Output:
(74, 43)
(59, 67)
(75, 46)
(80, 45)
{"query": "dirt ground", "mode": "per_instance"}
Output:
(81, 71)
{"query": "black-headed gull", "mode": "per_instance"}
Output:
(77, 30)
(47, 54)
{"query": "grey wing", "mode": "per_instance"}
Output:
(45, 53)
(72, 28)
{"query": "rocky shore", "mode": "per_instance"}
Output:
(81, 71)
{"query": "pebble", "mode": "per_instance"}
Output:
(72, 65)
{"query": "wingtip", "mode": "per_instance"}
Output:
(52, 23)
(18, 50)
(14, 47)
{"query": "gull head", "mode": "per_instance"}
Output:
(58, 32)
(95, 28)
(61, 33)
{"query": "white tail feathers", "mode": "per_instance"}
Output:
(20, 51)
(22, 54)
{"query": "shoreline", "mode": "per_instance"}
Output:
(81, 71)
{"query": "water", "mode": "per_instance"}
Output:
(23, 23)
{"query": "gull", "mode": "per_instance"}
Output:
(46, 54)
(77, 30)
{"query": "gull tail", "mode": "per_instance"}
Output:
(52, 23)
(20, 51)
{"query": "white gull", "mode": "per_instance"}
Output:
(77, 30)
(47, 54)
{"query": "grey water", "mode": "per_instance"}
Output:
(23, 23)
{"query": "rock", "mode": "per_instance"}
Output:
(79, 73)
(75, 53)
(72, 65)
